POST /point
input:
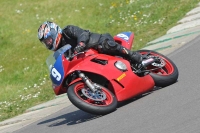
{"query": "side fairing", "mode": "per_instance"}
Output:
(125, 83)
(107, 70)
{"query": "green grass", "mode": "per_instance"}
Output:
(23, 73)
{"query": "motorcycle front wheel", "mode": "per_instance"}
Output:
(99, 103)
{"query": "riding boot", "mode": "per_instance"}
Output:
(135, 57)
(131, 55)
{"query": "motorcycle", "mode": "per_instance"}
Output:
(96, 83)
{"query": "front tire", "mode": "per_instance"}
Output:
(83, 101)
(166, 75)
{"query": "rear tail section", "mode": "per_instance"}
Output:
(125, 39)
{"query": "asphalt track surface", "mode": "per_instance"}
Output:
(173, 109)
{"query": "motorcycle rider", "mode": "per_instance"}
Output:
(53, 37)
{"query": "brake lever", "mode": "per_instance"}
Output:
(73, 55)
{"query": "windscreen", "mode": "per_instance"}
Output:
(51, 59)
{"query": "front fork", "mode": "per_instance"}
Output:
(87, 81)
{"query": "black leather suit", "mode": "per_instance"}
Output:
(104, 43)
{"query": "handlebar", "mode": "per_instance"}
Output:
(73, 55)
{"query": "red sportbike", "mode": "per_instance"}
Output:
(96, 82)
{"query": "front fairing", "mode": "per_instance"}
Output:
(55, 65)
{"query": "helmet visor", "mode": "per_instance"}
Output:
(49, 39)
(48, 42)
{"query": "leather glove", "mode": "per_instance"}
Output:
(80, 47)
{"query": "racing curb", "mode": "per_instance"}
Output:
(54, 102)
(59, 102)
(171, 38)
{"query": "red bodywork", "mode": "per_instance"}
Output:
(124, 85)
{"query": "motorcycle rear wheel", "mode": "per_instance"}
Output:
(87, 104)
(166, 75)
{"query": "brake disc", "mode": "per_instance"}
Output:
(96, 96)
(159, 63)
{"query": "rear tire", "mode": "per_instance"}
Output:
(169, 71)
(82, 102)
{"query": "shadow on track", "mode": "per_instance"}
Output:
(71, 118)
